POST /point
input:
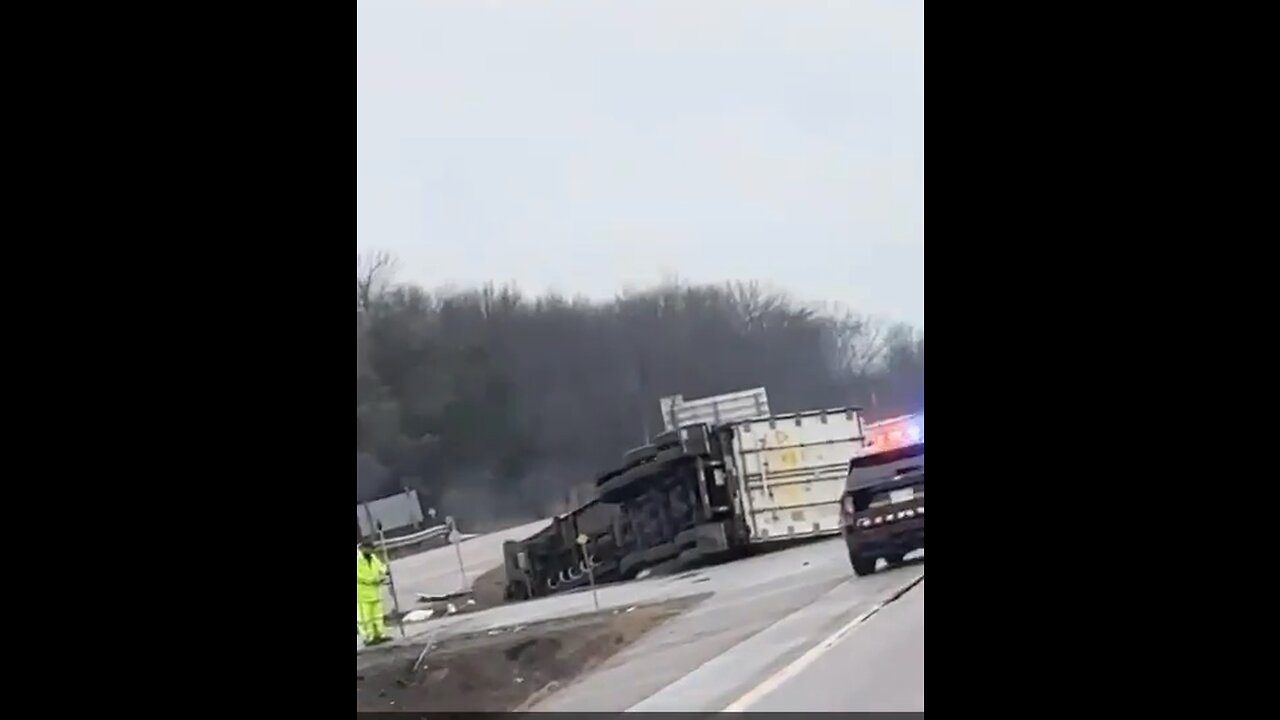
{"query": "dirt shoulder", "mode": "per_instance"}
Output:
(503, 669)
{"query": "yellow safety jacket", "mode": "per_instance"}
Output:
(370, 573)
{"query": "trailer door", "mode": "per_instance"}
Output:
(791, 471)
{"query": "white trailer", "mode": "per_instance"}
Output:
(790, 471)
(711, 488)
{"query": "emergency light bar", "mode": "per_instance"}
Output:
(895, 433)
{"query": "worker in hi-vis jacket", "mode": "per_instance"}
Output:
(371, 574)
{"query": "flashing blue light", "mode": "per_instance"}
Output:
(914, 432)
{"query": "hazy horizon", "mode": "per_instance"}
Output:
(588, 147)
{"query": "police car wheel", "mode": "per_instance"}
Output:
(862, 565)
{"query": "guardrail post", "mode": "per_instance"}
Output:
(455, 537)
(395, 600)
(591, 573)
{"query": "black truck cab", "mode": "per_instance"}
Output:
(882, 509)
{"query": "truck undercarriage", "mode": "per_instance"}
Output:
(700, 492)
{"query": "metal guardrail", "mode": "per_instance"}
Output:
(429, 534)
(415, 538)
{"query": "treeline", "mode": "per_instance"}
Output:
(497, 407)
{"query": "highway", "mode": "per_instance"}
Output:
(764, 613)
(748, 645)
(877, 667)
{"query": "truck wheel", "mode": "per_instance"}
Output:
(894, 559)
(606, 477)
(687, 537)
(632, 564)
(658, 553)
(639, 455)
(862, 565)
(669, 454)
(689, 556)
(666, 439)
(620, 487)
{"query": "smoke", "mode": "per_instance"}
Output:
(373, 481)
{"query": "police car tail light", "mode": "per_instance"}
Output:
(846, 509)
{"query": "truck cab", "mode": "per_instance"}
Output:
(882, 508)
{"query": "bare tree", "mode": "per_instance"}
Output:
(373, 276)
(501, 404)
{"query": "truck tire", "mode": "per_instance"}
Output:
(606, 477)
(669, 454)
(631, 564)
(894, 559)
(639, 455)
(689, 555)
(862, 566)
(658, 553)
(664, 440)
(625, 485)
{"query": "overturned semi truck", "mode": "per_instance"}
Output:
(702, 491)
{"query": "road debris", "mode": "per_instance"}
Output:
(425, 598)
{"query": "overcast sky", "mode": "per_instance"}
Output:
(594, 145)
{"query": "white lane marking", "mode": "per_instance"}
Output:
(754, 695)
(717, 660)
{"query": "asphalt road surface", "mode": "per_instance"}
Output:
(761, 615)
(877, 667)
(765, 613)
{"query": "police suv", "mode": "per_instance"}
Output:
(882, 509)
